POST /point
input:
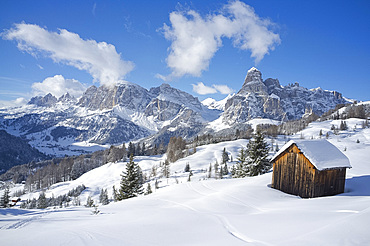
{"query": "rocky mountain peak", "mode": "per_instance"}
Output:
(66, 98)
(253, 82)
(43, 101)
(253, 75)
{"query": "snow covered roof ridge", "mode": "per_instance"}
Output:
(320, 152)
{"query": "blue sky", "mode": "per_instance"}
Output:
(197, 46)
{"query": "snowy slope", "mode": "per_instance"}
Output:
(208, 211)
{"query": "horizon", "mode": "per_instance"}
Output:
(61, 48)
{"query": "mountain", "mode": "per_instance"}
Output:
(125, 112)
(15, 151)
(105, 115)
(268, 99)
(213, 104)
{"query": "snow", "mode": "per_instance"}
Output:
(255, 122)
(206, 211)
(274, 96)
(253, 69)
(213, 104)
(321, 153)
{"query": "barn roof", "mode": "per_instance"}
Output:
(321, 153)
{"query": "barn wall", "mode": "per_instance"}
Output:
(293, 173)
(330, 182)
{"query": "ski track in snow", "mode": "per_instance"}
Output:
(223, 220)
(204, 184)
(24, 222)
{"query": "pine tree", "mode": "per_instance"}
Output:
(42, 201)
(4, 200)
(187, 167)
(257, 152)
(115, 194)
(148, 189)
(225, 170)
(103, 197)
(89, 202)
(225, 156)
(241, 169)
(166, 169)
(131, 149)
(210, 170)
(189, 177)
(131, 181)
(217, 174)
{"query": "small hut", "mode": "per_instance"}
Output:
(309, 168)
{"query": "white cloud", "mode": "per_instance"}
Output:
(58, 86)
(13, 103)
(195, 39)
(100, 59)
(223, 89)
(203, 89)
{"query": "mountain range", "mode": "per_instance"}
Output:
(127, 112)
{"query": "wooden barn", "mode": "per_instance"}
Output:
(309, 168)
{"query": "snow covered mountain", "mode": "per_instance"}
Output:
(268, 99)
(125, 112)
(104, 115)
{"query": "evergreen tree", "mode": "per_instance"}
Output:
(225, 170)
(187, 167)
(124, 152)
(4, 200)
(89, 202)
(343, 125)
(225, 156)
(131, 182)
(103, 197)
(131, 149)
(143, 149)
(115, 194)
(217, 172)
(148, 189)
(277, 147)
(210, 170)
(166, 169)
(241, 169)
(257, 152)
(190, 174)
(42, 201)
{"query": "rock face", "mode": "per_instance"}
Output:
(48, 100)
(268, 99)
(106, 115)
(127, 112)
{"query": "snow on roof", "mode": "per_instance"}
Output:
(321, 153)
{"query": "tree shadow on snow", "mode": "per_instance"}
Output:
(357, 186)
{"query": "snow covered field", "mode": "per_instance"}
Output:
(206, 211)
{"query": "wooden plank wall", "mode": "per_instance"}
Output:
(293, 173)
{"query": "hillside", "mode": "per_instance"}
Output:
(15, 151)
(207, 211)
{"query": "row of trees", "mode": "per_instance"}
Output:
(60, 201)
